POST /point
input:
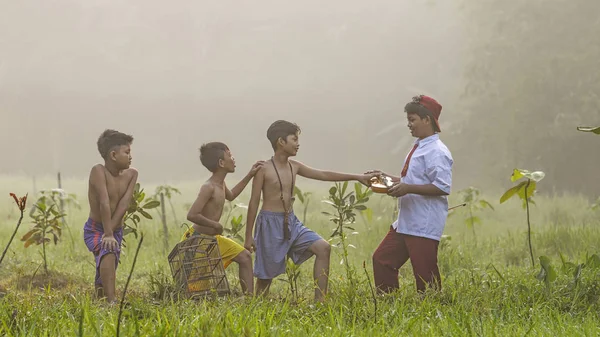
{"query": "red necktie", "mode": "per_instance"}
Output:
(405, 168)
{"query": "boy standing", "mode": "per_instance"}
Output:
(206, 211)
(422, 190)
(110, 191)
(278, 232)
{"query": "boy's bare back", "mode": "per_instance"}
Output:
(116, 187)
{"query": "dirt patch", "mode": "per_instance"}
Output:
(41, 280)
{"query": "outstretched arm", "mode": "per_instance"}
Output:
(311, 173)
(123, 204)
(237, 189)
(378, 172)
(195, 213)
(257, 185)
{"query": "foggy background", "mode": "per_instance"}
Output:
(176, 75)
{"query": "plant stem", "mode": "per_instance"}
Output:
(44, 250)
(127, 284)
(12, 237)
(372, 290)
(529, 224)
(472, 222)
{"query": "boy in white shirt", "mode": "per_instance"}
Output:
(422, 190)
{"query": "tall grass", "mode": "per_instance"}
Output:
(489, 287)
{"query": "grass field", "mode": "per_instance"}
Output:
(490, 287)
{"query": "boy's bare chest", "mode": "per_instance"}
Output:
(279, 181)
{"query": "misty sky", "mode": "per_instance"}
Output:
(178, 74)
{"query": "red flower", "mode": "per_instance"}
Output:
(21, 202)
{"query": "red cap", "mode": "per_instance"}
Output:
(431, 105)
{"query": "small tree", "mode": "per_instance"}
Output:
(63, 200)
(525, 190)
(471, 197)
(138, 206)
(346, 206)
(46, 219)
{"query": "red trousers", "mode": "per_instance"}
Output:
(395, 250)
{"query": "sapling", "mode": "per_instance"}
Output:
(525, 190)
(46, 218)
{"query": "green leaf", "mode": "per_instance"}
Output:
(511, 192)
(298, 193)
(485, 204)
(151, 204)
(329, 203)
(592, 129)
(145, 214)
(358, 190)
(530, 190)
(360, 207)
(333, 190)
(547, 272)
(352, 199)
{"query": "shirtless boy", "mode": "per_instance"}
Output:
(278, 232)
(206, 211)
(110, 191)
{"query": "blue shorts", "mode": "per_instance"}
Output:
(92, 235)
(272, 249)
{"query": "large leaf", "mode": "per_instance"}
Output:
(595, 130)
(530, 190)
(512, 191)
(145, 214)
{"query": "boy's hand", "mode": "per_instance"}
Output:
(219, 229)
(365, 179)
(399, 190)
(256, 167)
(249, 245)
(109, 243)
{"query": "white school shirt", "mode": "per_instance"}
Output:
(425, 216)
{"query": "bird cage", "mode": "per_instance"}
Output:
(197, 267)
